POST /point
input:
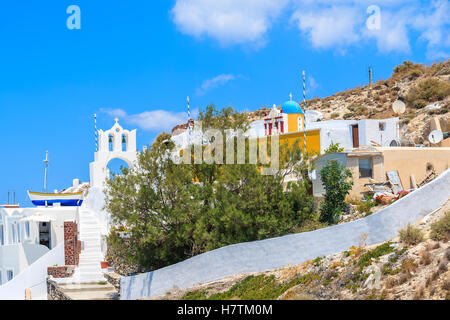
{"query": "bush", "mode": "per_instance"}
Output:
(427, 91)
(440, 230)
(334, 115)
(366, 206)
(259, 287)
(409, 67)
(337, 182)
(333, 148)
(348, 115)
(381, 250)
(411, 235)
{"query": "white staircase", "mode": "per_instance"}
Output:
(88, 269)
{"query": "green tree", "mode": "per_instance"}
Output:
(337, 181)
(333, 148)
(177, 211)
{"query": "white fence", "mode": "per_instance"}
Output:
(292, 249)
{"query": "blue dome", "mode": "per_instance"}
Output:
(291, 107)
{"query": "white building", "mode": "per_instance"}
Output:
(26, 234)
(349, 134)
(115, 143)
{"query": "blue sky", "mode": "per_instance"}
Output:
(139, 61)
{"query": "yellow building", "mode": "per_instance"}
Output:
(289, 123)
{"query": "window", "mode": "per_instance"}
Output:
(124, 142)
(9, 275)
(365, 168)
(110, 142)
(382, 126)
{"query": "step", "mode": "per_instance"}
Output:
(73, 287)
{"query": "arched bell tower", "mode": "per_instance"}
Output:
(115, 143)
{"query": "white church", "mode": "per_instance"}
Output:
(32, 239)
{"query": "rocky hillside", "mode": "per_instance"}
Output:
(413, 265)
(419, 86)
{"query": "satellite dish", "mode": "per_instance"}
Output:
(435, 136)
(399, 107)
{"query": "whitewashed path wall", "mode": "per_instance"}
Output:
(292, 249)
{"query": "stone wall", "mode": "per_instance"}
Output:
(61, 271)
(55, 293)
(114, 279)
(71, 250)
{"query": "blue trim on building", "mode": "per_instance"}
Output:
(64, 203)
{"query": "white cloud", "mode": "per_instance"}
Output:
(338, 25)
(312, 85)
(328, 27)
(155, 120)
(393, 35)
(215, 82)
(228, 21)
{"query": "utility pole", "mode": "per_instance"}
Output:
(370, 75)
(46, 169)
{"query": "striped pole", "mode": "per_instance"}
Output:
(189, 120)
(96, 132)
(304, 110)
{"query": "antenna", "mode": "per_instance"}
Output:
(8, 195)
(14, 196)
(304, 110)
(96, 132)
(370, 75)
(46, 170)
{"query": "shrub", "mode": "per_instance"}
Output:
(348, 115)
(334, 115)
(337, 181)
(410, 235)
(261, 287)
(440, 230)
(366, 206)
(333, 148)
(381, 250)
(425, 257)
(438, 111)
(409, 266)
(409, 68)
(427, 91)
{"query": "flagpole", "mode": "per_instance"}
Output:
(45, 173)
(304, 110)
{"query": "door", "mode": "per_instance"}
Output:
(44, 234)
(355, 135)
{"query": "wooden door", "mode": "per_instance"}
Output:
(355, 134)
